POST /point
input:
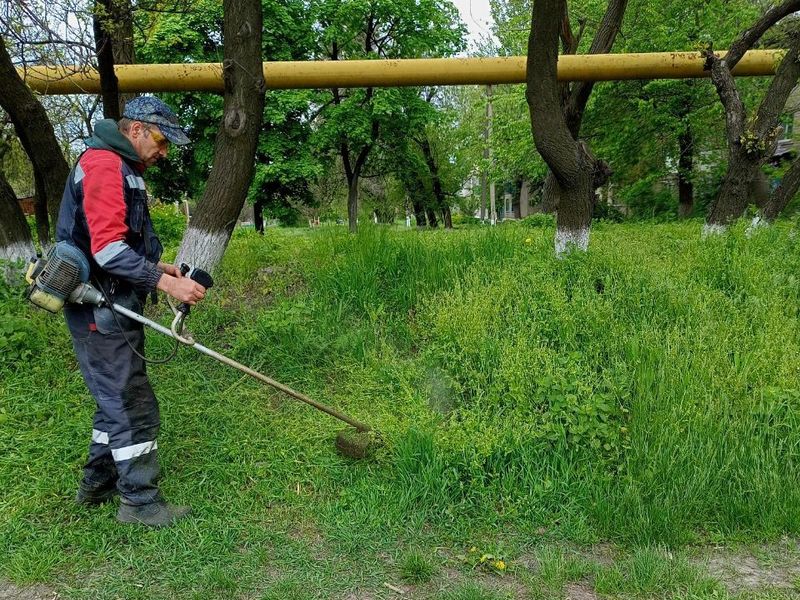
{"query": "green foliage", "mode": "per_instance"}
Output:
(168, 222)
(649, 198)
(284, 157)
(603, 211)
(21, 340)
(14, 163)
(539, 220)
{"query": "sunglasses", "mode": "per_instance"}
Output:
(158, 137)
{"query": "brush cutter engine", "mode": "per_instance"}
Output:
(60, 276)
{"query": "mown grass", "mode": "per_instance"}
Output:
(645, 393)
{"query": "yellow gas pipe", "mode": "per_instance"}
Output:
(207, 77)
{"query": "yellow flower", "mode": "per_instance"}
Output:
(500, 565)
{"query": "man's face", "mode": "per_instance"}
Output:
(149, 143)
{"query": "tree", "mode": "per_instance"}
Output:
(285, 160)
(750, 142)
(16, 243)
(36, 134)
(556, 117)
(46, 32)
(243, 106)
(112, 22)
(352, 120)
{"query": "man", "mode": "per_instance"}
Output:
(104, 213)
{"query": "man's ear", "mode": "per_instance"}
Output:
(137, 129)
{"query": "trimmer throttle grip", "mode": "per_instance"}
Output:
(198, 275)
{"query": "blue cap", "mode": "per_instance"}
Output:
(149, 109)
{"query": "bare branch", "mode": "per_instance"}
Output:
(781, 86)
(750, 36)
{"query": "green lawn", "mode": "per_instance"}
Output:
(622, 424)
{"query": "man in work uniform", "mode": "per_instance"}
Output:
(104, 213)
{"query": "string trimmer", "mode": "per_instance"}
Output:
(63, 275)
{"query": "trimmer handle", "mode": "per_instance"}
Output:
(198, 275)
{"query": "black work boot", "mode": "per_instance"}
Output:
(155, 514)
(94, 495)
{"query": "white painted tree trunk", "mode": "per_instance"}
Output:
(757, 223)
(710, 229)
(202, 249)
(571, 240)
(14, 260)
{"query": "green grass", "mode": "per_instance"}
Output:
(645, 394)
(417, 567)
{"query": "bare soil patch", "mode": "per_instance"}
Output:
(764, 568)
(580, 591)
(9, 591)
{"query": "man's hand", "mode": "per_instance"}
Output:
(181, 288)
(170, 269)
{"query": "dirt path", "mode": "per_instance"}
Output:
(9, 591)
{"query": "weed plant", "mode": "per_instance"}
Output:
(416, 567)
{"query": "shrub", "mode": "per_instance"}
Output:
(539, 220)
(168, 223)
(20, 338)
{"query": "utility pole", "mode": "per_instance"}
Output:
(484, 171)
(490, 116)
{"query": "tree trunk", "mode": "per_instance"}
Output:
(433, 222)
(104, 49)
(438, 193)
(550, 194)
(352, 172)
(447, 217)
(209, 233)
(574, 215)
(35, 132)
(759, 189)
(524, 198)
(782, 194)
(733, 195)
(258, 215)
(352, 202)
(16, 244)
(749, 141)
(419, 213)
(113, 38)
(576, 173)
(484, 192)
(685, 168)
(573, 98)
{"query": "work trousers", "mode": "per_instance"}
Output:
(123, 450)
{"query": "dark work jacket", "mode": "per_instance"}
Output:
(104, 213)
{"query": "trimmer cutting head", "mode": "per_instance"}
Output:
(356, 444)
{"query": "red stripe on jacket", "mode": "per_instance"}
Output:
(103, 197)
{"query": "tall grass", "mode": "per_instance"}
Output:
(650, 385)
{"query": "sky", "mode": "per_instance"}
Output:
(476, 15)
